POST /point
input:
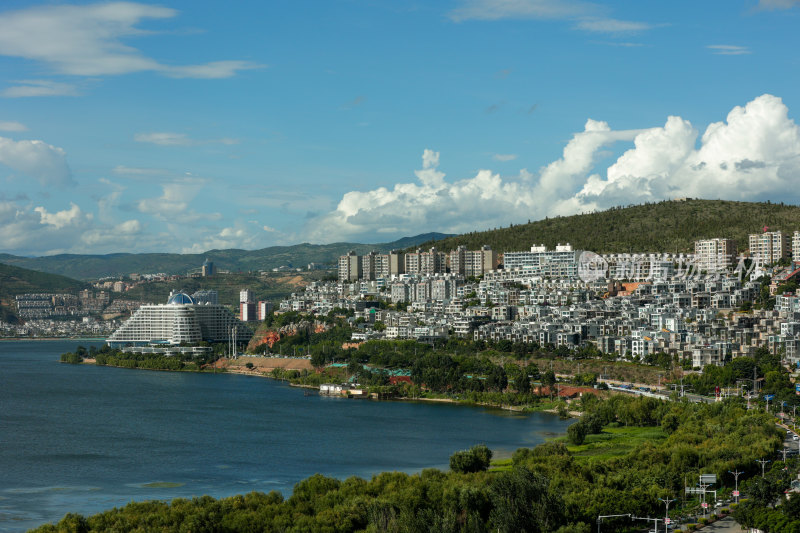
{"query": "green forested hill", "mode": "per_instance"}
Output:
(667, 226)
(16, 280)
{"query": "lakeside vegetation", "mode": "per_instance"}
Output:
(549, 488)
(502, 374)
(623, 453)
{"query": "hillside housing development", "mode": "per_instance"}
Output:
(685, 305)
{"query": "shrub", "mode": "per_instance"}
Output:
(476, 459)
(576, 433)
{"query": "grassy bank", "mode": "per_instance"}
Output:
(615, 442)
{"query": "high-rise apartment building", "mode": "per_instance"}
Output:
(371, 266)
(473, 262)
(426, 263)
(769, 247)
(208, 268)
(350, 267)
(559, 263)
(715, 255)
(247, 306)
(264, 308)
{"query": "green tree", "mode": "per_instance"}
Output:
(576, 433)
(523, 502)
(476, 459)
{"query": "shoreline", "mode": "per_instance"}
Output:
(254, 373)
(39, 339)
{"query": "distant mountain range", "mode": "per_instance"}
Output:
(88, 267)
(668, 226)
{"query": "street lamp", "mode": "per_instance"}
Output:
(666, 513)
(703, 504)
(736, 478)
(609, 516)
(655, 521)
(763, 464)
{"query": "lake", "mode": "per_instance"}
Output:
(82, 438)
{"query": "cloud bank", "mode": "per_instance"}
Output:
(753, 154)
(88, 40)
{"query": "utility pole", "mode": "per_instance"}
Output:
(736, 478)
(763, 464)
(703, 504)
(666, 514)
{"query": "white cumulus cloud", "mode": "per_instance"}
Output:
(61, 219)
(432, 203)
(226, 238)
(753, 154)
(44, 162)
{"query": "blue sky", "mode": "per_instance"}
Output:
(192, 125)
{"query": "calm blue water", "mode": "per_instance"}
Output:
(86, 438)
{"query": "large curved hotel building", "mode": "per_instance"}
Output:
(181, 320)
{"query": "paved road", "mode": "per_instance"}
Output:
(726, 525)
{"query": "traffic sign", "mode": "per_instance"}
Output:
(736, 493)
(704, 505)
(768, 397)
(667, 520)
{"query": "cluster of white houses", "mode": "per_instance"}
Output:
(681, 304)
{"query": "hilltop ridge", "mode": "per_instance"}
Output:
(88, 267)
(666, 226)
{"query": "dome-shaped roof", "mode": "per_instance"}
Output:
(180, 298)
